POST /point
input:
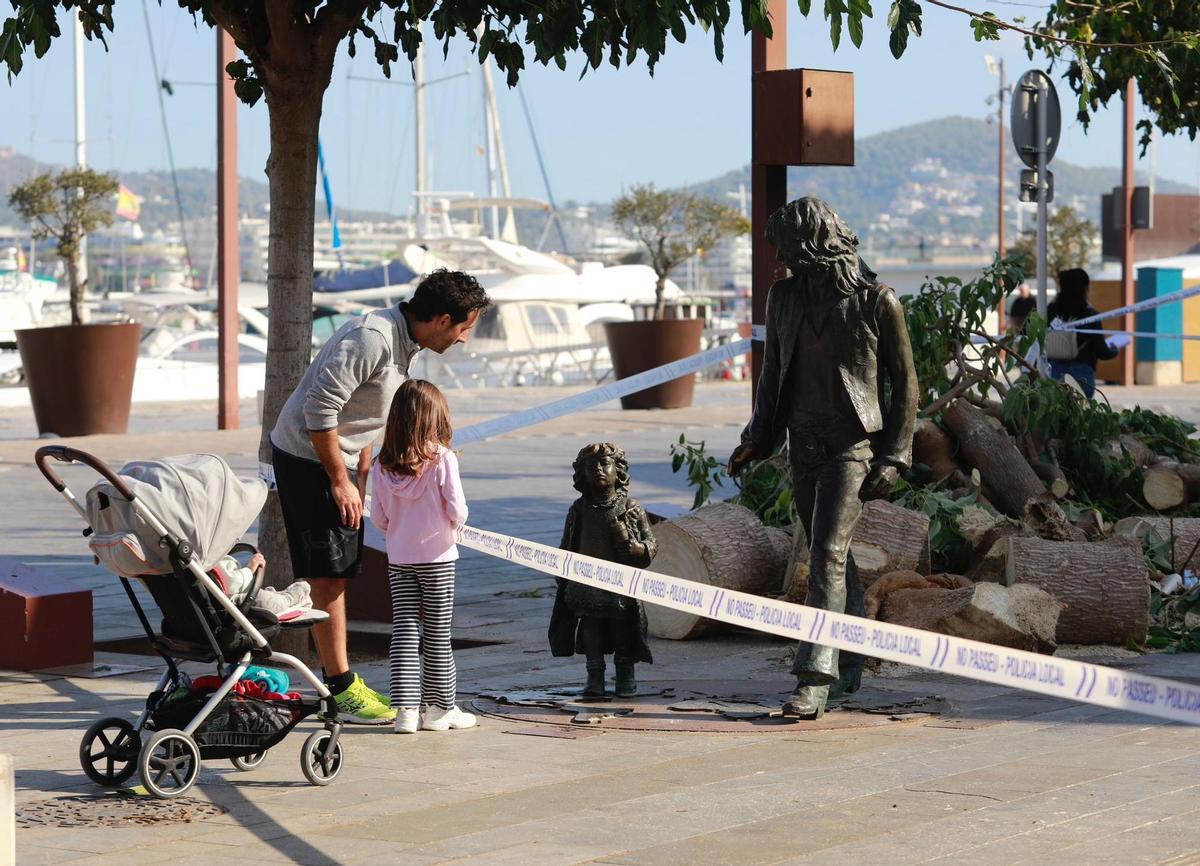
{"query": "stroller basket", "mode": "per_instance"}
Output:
(238, 725)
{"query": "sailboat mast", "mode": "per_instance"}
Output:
(80, 130)
(498, 140)
(489, 139)
(419, 92)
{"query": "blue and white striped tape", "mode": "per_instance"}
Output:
(601, 394)
(1048, 675)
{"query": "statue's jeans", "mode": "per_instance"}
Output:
(826, 480)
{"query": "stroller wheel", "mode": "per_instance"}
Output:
(248, 762)
(169, 763)
(109, 751)
(318, 762)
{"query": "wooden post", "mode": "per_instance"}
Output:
(1128, 293)
(228, 268)
(768, 183)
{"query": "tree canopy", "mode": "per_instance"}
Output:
(673, 226)
(65, 207)
(1104, 43)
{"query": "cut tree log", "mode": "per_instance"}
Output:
(877, 593)
(1092, 523)
(1188, 472)
(1008, 480)
(1138, 451)
(1103, 586)
(933, 447)
(1046, 519)
(889, 538)
(1184, 530)
(1023, 617)
(723, 545)
(1055, 480)
(1164, 489)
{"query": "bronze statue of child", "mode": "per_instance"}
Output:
(605, 523)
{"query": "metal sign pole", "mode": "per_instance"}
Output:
(1042, 98)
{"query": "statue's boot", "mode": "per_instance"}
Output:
(626, 680)
(807, 702)
(849, 679)
(594, 688)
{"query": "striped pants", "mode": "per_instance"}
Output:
(421, 659)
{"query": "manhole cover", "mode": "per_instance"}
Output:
(710, 706)
(114, 809)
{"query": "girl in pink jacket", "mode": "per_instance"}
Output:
(418, 503)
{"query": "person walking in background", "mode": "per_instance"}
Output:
(1070, 353)
(418, 503)
(321, 453)
(1024, 304)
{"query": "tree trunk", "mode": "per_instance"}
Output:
(294, 95)
(1023, 617)
(889, 538)
(1008, 480)
(934, 448)
(723, 545)
(1163, 489)
(75, 288)
(1189, 474)
(1184, 530)
(660, 297)
(1103, 587)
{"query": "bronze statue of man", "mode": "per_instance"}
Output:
(834, 337)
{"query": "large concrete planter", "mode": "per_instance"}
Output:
(80, 377)
(639, 346)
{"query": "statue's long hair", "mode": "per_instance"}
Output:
(810, 231)
(588, 453)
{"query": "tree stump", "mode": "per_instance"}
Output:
(1008, 480)
(722, 545)
(889, 538)
(1103, 587)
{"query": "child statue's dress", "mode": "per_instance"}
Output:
(593, 621)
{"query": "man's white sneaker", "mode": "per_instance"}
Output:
(407, 721)
(437, 719)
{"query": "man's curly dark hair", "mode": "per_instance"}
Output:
(445, 292)
(590, 453)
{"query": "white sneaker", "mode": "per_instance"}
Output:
(437, 719)
(407, 721)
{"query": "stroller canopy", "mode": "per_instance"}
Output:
(196, 497)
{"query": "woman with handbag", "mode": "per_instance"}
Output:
(1071, 353)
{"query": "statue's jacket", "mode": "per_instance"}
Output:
(871, 347)
(624, 612)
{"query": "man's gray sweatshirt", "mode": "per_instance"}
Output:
(349, 386)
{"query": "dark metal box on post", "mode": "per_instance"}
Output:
(800, 117)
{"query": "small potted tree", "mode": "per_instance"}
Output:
(673, 226)
(80, 376)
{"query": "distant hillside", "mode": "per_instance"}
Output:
(945, 169)
(927, 180)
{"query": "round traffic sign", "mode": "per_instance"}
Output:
(1032, 86)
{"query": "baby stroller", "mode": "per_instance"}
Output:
(166, 523)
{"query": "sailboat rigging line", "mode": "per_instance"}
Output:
(537, 151)
(162, 112)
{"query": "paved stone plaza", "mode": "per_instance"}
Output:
(999, 777)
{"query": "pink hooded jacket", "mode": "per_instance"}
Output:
(419, 513)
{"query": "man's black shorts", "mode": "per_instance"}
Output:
(318, 542)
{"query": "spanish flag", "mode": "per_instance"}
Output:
(129, 206)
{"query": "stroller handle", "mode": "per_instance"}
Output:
(64, 454)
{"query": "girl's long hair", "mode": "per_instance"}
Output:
(417, 423)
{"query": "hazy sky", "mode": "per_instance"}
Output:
(612, 128)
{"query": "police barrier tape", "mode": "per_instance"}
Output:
(577, 402)
(601, 394)
(1148, 304)
(1049, 675)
